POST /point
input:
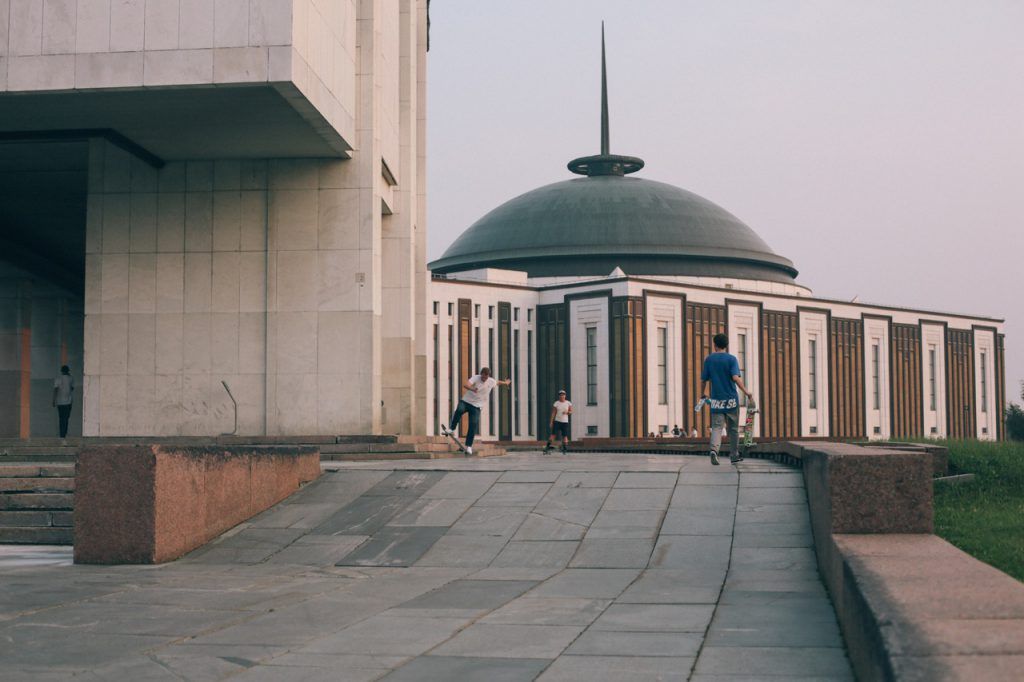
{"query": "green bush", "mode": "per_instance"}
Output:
(1015, 422)
(983, 517)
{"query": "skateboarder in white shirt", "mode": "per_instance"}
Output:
(478, 388)
(560, 412)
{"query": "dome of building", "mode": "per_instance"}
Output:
(592, 225)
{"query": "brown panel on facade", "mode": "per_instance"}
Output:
(1001, 386)
(504, 369)
(628, 385)
(702, 323)
(466, 370)
(960, 407)
(846, 374)
(780, 395)
(905, 367)
(552, 361)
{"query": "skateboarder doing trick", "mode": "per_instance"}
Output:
(478, 388)
(560, 412)
(722, 371)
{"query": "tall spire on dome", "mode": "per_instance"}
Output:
(605, 163)
(604, 100)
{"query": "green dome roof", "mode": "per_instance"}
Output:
(591, 225)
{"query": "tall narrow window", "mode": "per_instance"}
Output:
(984, 382)
(812, 374)
(515, 375)
(529, 380)
(931, 377)
(437, 386)
(591, 365)
(476, 352)
(875, 391)
(741, 360)
(663, 365)
(451, 371)
(490, 363)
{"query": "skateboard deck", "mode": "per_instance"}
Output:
(455, 439)
(748, 424)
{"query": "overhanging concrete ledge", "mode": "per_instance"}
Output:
(147, 504)
(910, 605)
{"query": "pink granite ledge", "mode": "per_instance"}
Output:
(150, 503)
(911, 606)
(930, 611)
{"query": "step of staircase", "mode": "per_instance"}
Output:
(434, 451)
(36, 503)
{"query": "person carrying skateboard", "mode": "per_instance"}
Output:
(722, 372)
(560, 412)
(478, 388)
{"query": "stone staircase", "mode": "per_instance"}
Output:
(399, 447)
(37, 476)
(36, 502)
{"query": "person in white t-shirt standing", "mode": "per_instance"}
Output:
(63, 393)
(478, 389)
(560, 412)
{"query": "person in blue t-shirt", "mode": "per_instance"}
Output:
(722, 371)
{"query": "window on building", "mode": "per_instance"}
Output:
(435, 307)
(490, 312)
(875, 380)
(931, 378)
(812, 374)
(476, 350)
(591, 430)
(437, 386)
(529, 314)
(476, 310)
(591, 365)
(451, 369)
(515, 376)
(451, 308)
(984, 382)
(490, 363)
(529, 379)
(515, 314)
(741, 360)
(663, 365)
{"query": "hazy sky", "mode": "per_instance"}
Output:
(878, 145)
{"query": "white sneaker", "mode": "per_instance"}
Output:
(469, 452)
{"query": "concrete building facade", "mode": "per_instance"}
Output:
(208, 191)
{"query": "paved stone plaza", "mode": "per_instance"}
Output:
(586, 567)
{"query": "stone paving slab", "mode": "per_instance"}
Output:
(468, 669)
(584, 567)
(617, 668)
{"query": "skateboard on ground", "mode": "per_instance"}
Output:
(748, 424)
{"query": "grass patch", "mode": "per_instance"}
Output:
(985, 517)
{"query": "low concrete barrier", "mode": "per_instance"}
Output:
(910, 605)
(147, 504)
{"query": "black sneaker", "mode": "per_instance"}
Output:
(547, 449)
(565, 450)
(714, 458)
(735, 459)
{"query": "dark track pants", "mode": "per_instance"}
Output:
(64, 413)
(474, 420)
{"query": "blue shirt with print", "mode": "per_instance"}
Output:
(719, 369)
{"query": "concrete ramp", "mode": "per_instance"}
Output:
(580, 567)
